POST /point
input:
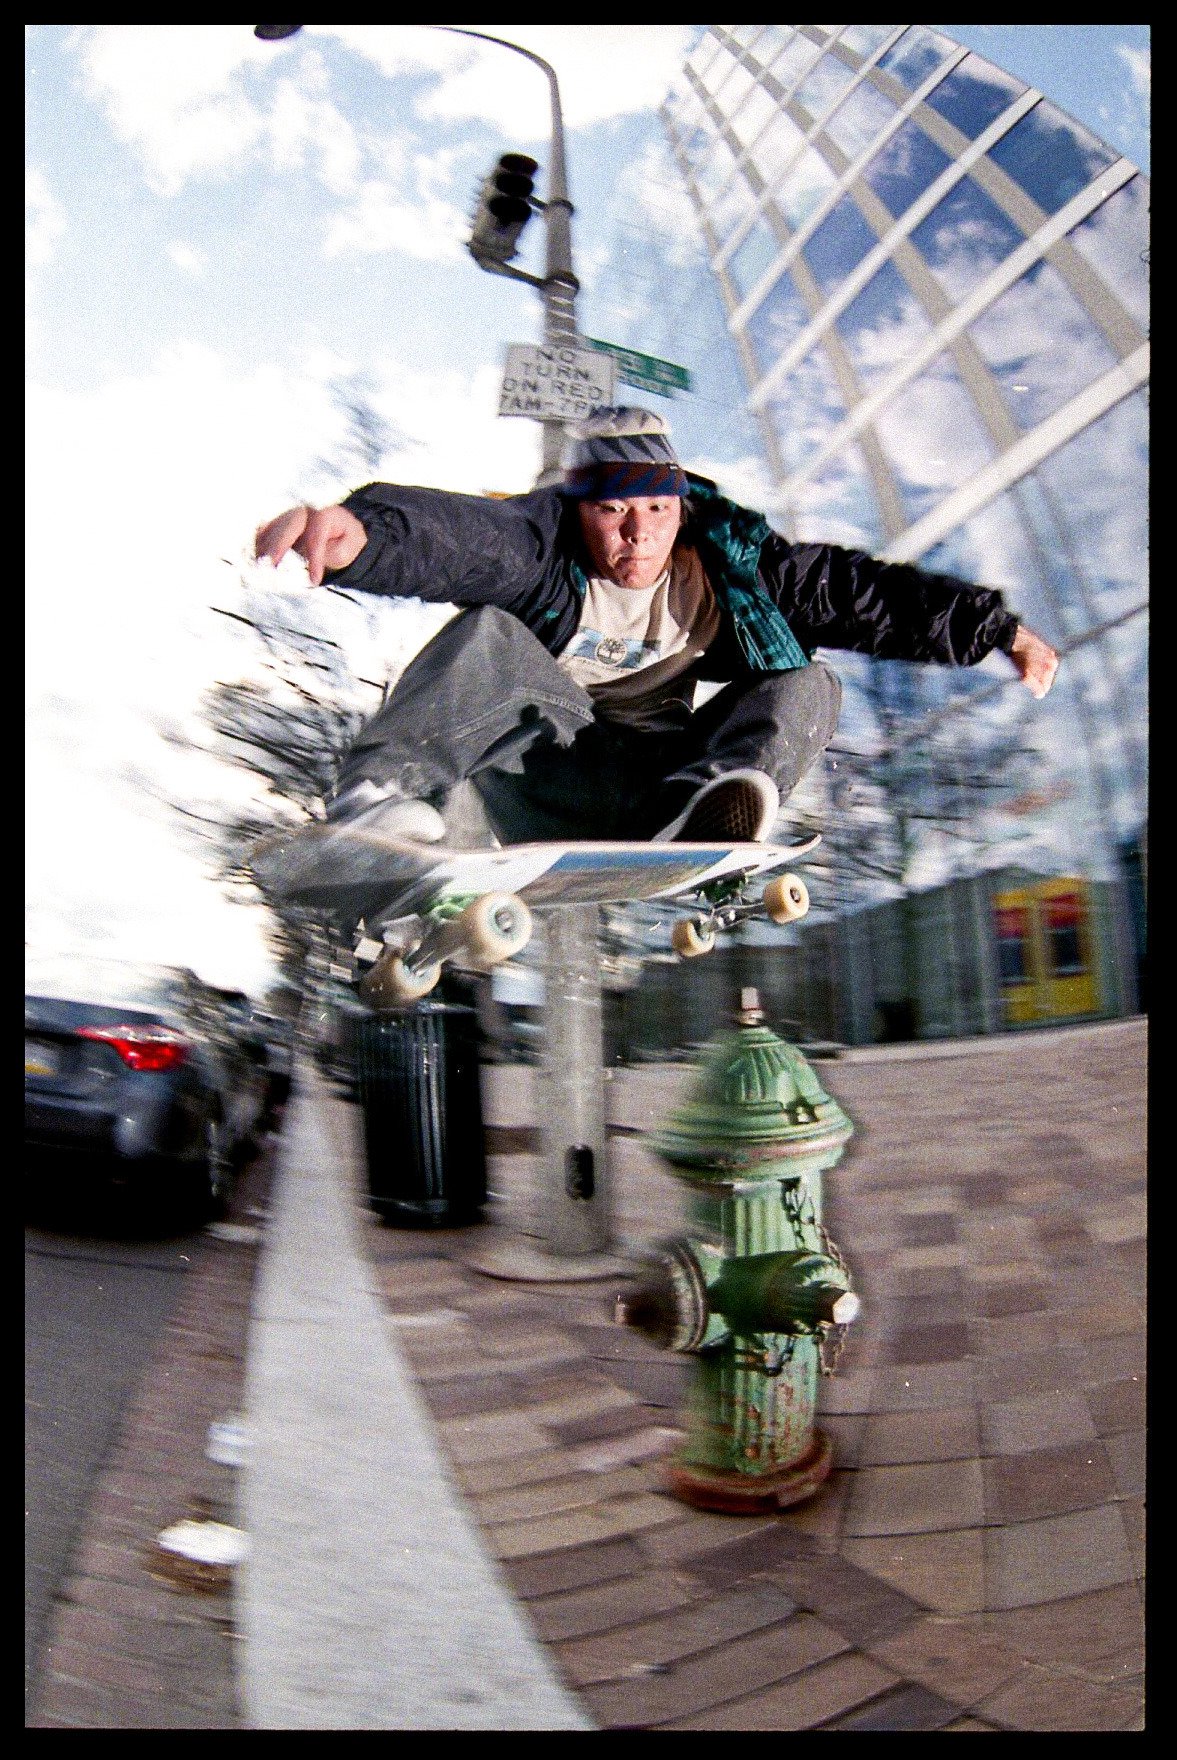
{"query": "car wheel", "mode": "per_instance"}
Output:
(207, 1196)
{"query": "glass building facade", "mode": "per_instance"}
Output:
(933, 291)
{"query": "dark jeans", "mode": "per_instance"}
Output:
(485, 701)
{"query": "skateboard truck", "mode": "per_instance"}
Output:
(487, 927)
(785, 899)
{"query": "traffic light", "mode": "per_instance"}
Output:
(504, 207)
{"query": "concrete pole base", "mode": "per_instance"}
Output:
(751, 1494)
(527, 1261)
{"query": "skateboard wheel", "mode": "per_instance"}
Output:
(690, 939)
(786, 898)
(495, 926)
(390, 983)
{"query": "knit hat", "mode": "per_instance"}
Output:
(620, 453)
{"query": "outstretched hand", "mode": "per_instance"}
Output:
(1036, 661)
(325, 537)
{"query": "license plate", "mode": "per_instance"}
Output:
(40, 1060)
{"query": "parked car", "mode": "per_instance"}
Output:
(134, 1075)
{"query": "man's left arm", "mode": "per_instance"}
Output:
(836, 598)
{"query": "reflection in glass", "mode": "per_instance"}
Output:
(839, 244)
(918, 53)
(932, 436)
(795, 56)
(860, 120)
(1098, 485)
(903, 168)
(837, 504)
(825, 84)
(754, 116)
(778, 147)
(777, 322)
(730, 208)
(714, 72)
(806, 409)
(1050, 156)
(864, 39)
(752, 259)
(735, 88)
(1114, 240)
(805, 188)
(1040, 344)
(716, 170)
(965, 237)
(974, 95)
(882, 326)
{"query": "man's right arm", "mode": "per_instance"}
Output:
(325, 537)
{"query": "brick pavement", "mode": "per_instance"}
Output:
(975, 1561)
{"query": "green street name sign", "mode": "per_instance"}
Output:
(643, 370)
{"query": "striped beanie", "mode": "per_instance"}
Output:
(621, 453)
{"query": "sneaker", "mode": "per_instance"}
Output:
(738, 807)
(366, 808)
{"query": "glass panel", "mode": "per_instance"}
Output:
(751, 260)
(823, 86)
(974, 95)
(778, 147)
(734, 90)
(716, 71)
(1098, 486)
(917, 53)
(860, 120)
(744, 34)
(882, 326)
(1040, 344)
(772, 40)
(777, 322)
(1114, 241)
(864, 39)
(798, 54)
(716, 170)
(1050, 156)
(754, 116)
(736, 202)
(806, 409)
(964, 237)
(904, 167)
(837, 505)
(704, 52)
(805, 188)
(933, 437)
(839, 244)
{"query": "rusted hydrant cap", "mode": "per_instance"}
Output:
(754, 1104)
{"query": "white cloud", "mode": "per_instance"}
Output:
(1139, 65)
(187, 258)
(45, 219)
(382, 219)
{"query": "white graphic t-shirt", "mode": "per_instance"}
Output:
(635, 650)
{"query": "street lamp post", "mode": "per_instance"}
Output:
(575, 1228)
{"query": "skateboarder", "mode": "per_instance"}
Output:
(593, 611)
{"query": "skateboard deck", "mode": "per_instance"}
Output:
(423, 903)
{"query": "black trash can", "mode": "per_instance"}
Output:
(418, 1080)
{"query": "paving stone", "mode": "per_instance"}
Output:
(555, 1496)
(1047, 1482)
(904, 1707)
(617, 1420)
(959, 1659)
(1047, 1560)
(916, 1499)
(894, 1438)
(1118, 1405)
(700, 1683)
(924, 1386)
(574, 1567)
(667, 1638)
(1079, 1631)
(928, 1344)
(806, 1699)
(944, 1571)
(1043, 1699)
(1027, 1372)
(488, 1435)
(596, 1521)
(627, 1601)
(1043, 1420)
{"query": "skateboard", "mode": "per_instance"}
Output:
(475, 906)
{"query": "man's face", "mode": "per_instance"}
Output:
(630, 540)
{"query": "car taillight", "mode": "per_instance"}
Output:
(148, 1048)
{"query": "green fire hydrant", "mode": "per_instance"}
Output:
(756, 1291)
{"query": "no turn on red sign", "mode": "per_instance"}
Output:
(555, 383)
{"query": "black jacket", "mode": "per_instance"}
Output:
(525, 554)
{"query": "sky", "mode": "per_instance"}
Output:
(218, 232)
